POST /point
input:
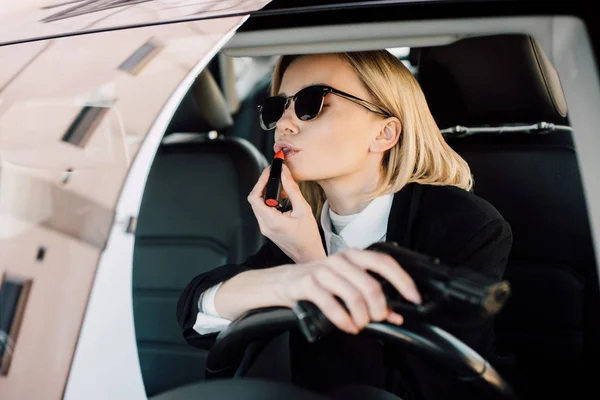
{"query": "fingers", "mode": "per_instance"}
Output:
(388, 268)
(350, 295)
(324, 284)
(329, 306)
(344, 277)
(292, 190)
(368, 287)
(256, 195)
(257, 201)
(395, 319)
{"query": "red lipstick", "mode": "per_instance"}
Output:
(273, 192)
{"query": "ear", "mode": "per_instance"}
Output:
(388, 135)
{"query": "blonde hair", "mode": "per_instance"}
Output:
(421, 154)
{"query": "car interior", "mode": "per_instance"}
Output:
(193, 178)
(500, 105)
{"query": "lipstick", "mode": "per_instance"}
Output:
(273, 191)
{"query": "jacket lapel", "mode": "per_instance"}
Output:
(398, 221)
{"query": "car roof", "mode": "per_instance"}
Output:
(46, 19)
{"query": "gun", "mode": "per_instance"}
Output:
(461, 292)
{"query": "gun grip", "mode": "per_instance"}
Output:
(411, 310)
(400, 305)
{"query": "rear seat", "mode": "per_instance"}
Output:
(194, 216)
(247, 124)
(551, 322)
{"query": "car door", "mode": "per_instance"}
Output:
(83, 106)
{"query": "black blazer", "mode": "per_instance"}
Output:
(452, 224)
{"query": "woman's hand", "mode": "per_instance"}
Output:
(345, 275)
(295, 232)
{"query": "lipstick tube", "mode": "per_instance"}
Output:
(273, 191)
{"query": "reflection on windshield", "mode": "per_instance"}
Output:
(50, 18)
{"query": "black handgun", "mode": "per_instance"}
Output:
(461, 292)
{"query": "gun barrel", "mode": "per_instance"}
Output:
(487, 298)
(458, 285)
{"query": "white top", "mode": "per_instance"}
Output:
(341, 232)
(339, 222)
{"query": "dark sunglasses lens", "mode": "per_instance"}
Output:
(308, 103)
(272, 109)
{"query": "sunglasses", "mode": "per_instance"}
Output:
(308, 103)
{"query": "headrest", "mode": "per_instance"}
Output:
(491, 80)
(212, 105)
(203, 108)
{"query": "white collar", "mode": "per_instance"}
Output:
(369, 226)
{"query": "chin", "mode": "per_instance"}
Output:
(307, 176)
(300, 174)
(310, 171)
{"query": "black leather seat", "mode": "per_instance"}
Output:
(194, 216)
(551, 322)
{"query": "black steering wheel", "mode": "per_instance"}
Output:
(424, 340)
(444, 288)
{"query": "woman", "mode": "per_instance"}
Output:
(371, 165)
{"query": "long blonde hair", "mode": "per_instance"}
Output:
(421, 154)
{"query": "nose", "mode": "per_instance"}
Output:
(288, 123)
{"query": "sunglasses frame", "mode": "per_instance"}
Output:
(325, 91)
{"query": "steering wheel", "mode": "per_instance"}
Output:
(425, 340)
(444, 288)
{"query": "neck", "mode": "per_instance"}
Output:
(345, 194)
